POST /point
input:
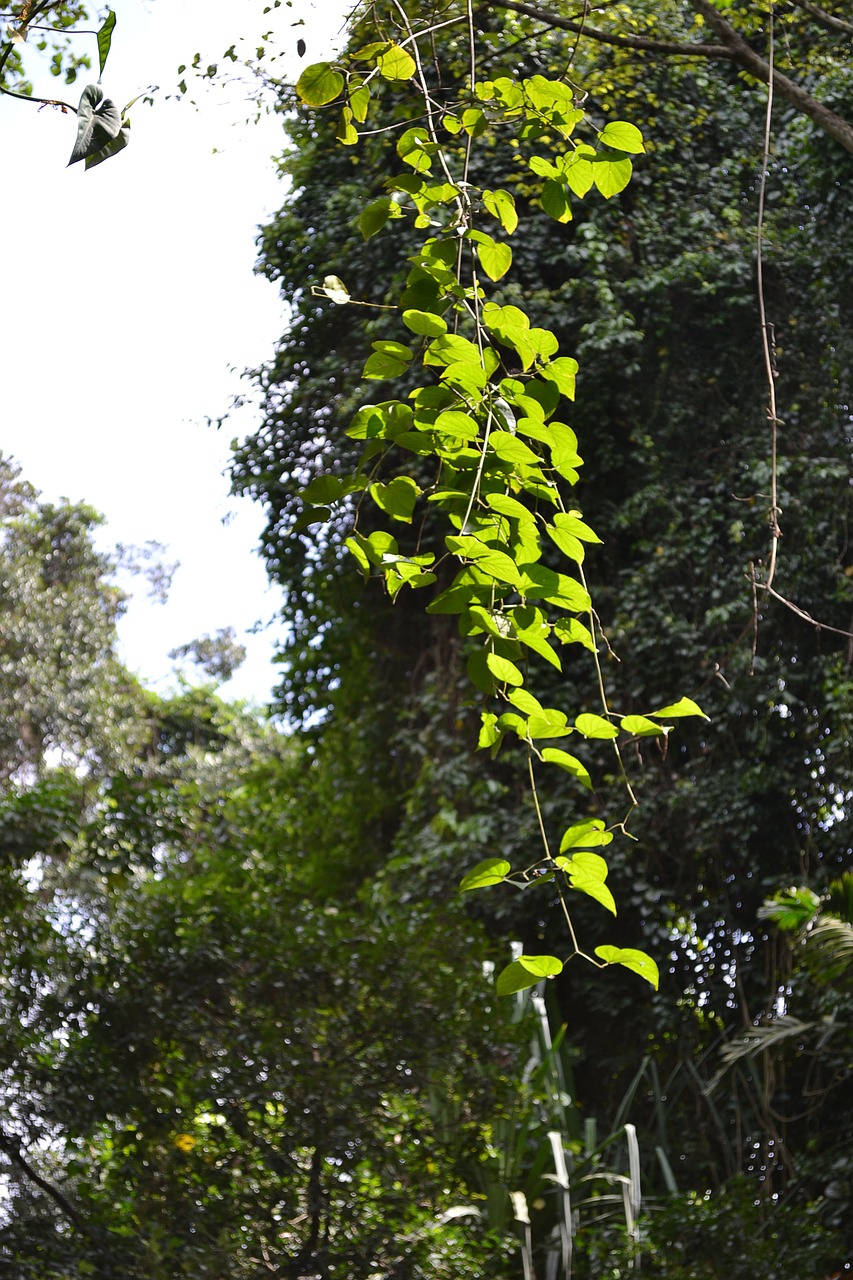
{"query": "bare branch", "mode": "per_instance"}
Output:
(750, 61)
(45, 102)
(825, 19)
(644, 44)
(13, 1153)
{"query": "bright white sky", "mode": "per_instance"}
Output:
(129, 309)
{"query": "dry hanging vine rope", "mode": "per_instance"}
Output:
(503, 460)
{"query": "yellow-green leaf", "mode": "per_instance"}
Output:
(397, 497)
(504, 670)
(488, 872)
(592, 726)
(501, 205)
(622, 136)
(347, 134)
(642, 727)
(425, 323)
(359, 100)
(553, 755)
(684, 707)
(555, 201)
(585, 835)
(637, 961)
(396, 64)
(525, 972)
(319, 84)
(495, 258)
(611, 174)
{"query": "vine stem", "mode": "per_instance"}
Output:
(772, 414)
(45, 102)
(537, 805)
(603, 694)
(563, 904)
(428, 103)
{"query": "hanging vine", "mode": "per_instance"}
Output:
(502, 460)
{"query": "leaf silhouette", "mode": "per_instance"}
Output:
(101, 132)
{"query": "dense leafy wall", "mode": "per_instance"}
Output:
(656, 295)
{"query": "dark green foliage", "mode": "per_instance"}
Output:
(656, 295)
(216, 1055)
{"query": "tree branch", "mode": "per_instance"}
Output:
(45, 102)
(827, 20)
(13, 1153)
(644, 44)
(732, 49)
(750, 61)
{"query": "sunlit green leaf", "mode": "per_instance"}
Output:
(525, 701)
(488, 872)
(416, 149)
(571, 631)
(642, 727)
(319, 84)
(549, 723)
(425, 323)
(592, 726)
(507, 506)
(489, 731)
(637, 961)
(585, 835)
(555, 201)
(571, 522)
(501, 204)
(511, 449)
(495, 258)
(397, 64)
(611, 174)
(568, 544)
(454, 423)
(553, 755)
(684, 707)
(382, 365)
(622, 136)
(346, 134)
(359, 100)
(587, 873)
(562, 372)
(504, 670)
(526, 972)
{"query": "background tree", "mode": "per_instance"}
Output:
(208, 1066)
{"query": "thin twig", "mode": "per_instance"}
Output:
(603, 694)
(801, 613)
(45, 102)
(772, 414)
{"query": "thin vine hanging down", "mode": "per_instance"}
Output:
(503, 463)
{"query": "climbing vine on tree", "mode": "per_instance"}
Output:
(481, 431)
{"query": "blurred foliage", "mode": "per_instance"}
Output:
(47, 27)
